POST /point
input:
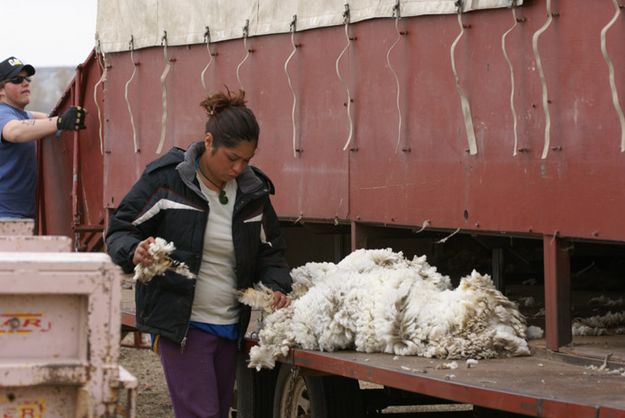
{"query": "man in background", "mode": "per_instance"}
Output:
(19, 131)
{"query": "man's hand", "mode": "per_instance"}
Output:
(72, 120)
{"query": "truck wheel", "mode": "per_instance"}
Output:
(298, 396)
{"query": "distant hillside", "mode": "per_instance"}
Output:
(47, 87)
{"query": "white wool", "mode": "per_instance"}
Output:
(451, 365)
(581, 330)
(471, 362)
(619, 371)
(605, 301)
(161, 262)
(608, 324)
(258, 297)
(378, 301)
(534, 333)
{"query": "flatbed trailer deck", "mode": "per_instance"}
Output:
(540, 385)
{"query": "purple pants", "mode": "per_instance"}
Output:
(201, 378)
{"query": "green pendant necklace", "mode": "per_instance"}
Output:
(223, 198)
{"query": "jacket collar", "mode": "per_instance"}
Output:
(247, 182)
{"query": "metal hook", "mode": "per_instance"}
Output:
(397, 9)
(459, 6)
(164, 38)
(131, 44)
(293, 27)
(246, 28)
(207, 35)
(346, 14)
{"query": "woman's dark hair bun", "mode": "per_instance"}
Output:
(218, 102)
(230, 121)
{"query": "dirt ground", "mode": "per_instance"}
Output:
(152, 396)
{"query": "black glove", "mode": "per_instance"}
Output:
(72, 120)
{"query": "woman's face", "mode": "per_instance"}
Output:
(225, 164)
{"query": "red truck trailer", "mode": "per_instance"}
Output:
(486, 134)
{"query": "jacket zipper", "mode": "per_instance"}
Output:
(183, 343)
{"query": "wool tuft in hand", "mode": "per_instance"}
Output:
(160, 251)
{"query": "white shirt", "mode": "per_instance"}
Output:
(215, 299)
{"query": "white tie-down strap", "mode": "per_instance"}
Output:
(164, 96)
(132, 119)
(464, 102)
(163, 204)
(247, 52)
(511, 68)
(604, 50)
(397, 16)
(207, 38)
(102, 79)
(543, 81)
(346, 19)
(444, 240)
(296, 147)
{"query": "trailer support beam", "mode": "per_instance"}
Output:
(498, 267)
(359, 236)
(557, 278)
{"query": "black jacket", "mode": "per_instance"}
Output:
(167, 202)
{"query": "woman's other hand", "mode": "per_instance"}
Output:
(280, 300)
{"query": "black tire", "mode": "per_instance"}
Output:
(298, 395)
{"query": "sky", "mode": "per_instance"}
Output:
(48, 33)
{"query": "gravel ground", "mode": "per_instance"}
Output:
(152, 396)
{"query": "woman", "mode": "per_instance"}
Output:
(215, 208)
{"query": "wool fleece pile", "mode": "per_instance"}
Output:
(379, 301)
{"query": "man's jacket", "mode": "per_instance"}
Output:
(167, 202)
